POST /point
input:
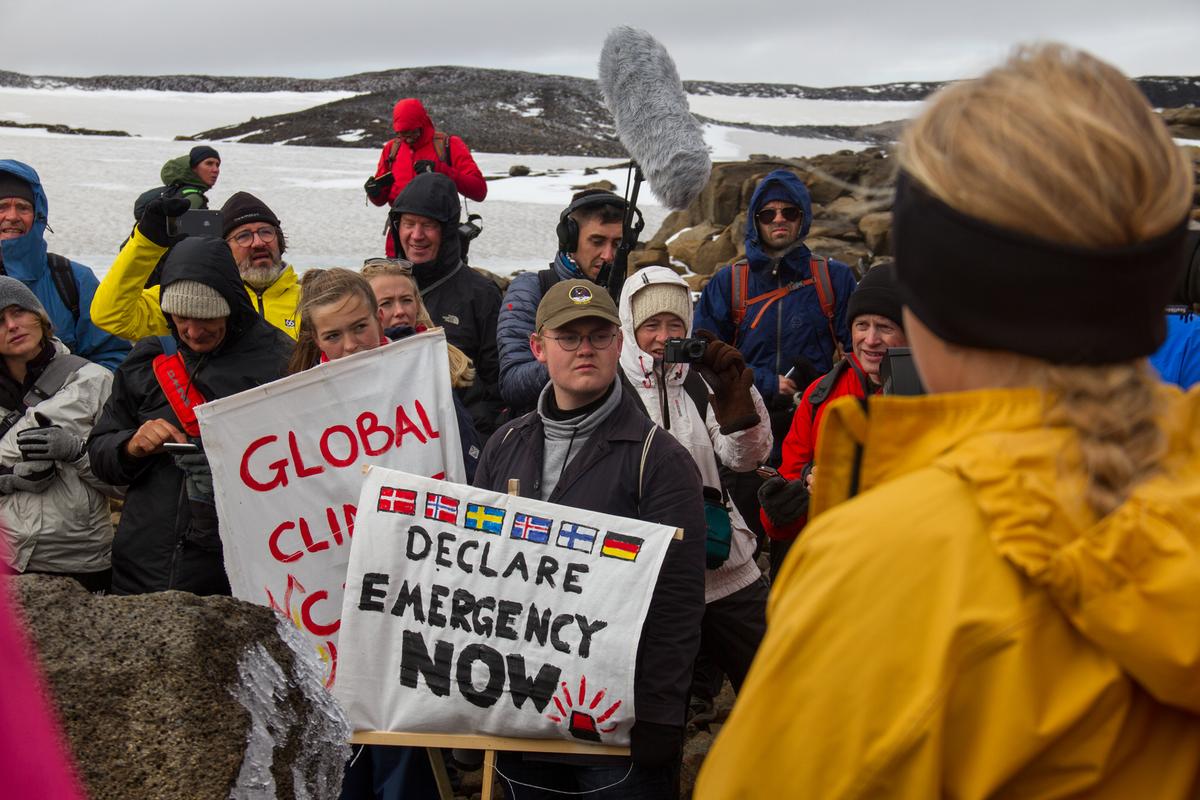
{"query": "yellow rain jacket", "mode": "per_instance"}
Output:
(965, 627)
(124, 308)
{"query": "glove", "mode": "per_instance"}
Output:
(197, 477)
(726, 372)
(153, 223)
(28, 476)
(49, 442)
(654, 745)
(378, 187)
(424, 165)
(783, 501)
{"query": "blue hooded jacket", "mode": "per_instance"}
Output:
(792, 326)
(24, 258)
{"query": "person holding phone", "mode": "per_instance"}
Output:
(217, 345)
(54, 515)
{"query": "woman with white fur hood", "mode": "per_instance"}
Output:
(716, 413)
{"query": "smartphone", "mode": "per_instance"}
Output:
(899, 373)
(201, 222)
(181, 448)
(767, 471)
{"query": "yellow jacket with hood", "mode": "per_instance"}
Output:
(124, 308)
(965, 627)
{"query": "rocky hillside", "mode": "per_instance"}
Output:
(505, 111)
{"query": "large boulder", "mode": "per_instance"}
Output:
(1184, 123)
(684, 246)
(171, 695)
(877, 232)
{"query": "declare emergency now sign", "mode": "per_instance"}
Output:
(287, 460)
(472, 612)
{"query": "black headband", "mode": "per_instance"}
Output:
(978, 285)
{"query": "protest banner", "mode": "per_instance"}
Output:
(477, 613)
(287, 461)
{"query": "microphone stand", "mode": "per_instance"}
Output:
(629, 233)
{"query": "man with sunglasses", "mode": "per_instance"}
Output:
(124, 307)
(590, 445)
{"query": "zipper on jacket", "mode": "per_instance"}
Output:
(778, 325)
(262, 312)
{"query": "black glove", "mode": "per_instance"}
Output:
(783, 501)
(378, 186)
(48, 442)
(197, 477)
(654, 745)
(726, 372)
(424, 165)
(27, 476)
(153, 223)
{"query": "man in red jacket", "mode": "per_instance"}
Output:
(418, 148)
(875, 325)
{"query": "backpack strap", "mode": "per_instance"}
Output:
(64, 282)
(642, 464)
(54, 377)
(172, 376)
(819, 268)
(739, 278)
(546, 279)
(825, 385)
(441, 146)
(389, 156)
(697, 389)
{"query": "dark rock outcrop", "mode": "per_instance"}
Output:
(171, 695)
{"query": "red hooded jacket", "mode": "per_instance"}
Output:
(407, 115)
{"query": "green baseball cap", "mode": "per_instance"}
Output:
(571, 300)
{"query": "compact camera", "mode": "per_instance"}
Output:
(684, 351)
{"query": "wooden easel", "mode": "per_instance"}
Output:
(490, 745)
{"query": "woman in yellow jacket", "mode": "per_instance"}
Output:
(999, 592)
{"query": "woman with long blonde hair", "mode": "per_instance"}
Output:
(999, 592)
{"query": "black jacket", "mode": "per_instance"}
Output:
(459, 299)
(603, 477)
(152, 550)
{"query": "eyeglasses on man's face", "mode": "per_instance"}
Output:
(265, 234)
(570, 342)
(767, 215)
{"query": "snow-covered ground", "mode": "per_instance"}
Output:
(317, 192)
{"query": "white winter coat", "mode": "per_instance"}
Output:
(66, 528)
(741, 451)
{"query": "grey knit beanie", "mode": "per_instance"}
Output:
(659, 297)
(194, 299)
(15, 293)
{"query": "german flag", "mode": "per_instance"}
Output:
(625, 548)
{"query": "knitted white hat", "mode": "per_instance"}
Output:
(194, 299)
(659, 297)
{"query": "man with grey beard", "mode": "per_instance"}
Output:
(125, 307)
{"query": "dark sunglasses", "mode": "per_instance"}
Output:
(767, 215)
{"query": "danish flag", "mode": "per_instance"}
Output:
(397, 500)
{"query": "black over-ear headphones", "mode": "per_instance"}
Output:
(568, 229)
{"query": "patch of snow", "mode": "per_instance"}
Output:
(239, 138)
(800, 111)
(353, 136)
(153, 114)
(737, 144)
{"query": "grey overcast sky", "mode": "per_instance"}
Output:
(778, 41)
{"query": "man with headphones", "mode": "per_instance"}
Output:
(589, 233)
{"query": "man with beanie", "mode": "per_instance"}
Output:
(216, 345)
(189, 177)
(125, 307)
(875, 325)
(589, 446)
(64, 287)
(424, 220)
(589, 233)
(418, 149)
(711, 408)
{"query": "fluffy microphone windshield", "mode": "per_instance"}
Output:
(645, 96)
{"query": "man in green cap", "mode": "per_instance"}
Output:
(590, 445)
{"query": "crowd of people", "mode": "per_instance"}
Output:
(992, 589)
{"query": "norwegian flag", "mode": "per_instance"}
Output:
(397, 500)
(441, 508)
(531, 528)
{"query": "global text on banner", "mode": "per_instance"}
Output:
(508, 619)
(287, 461)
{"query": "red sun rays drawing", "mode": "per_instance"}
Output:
(578, 713)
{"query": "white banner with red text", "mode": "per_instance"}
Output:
(287, 460)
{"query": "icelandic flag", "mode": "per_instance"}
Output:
(441, 508)
(397, 500)
(488, 519)
(531, 528)
(574, 536)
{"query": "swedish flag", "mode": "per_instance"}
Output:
(484, 518)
